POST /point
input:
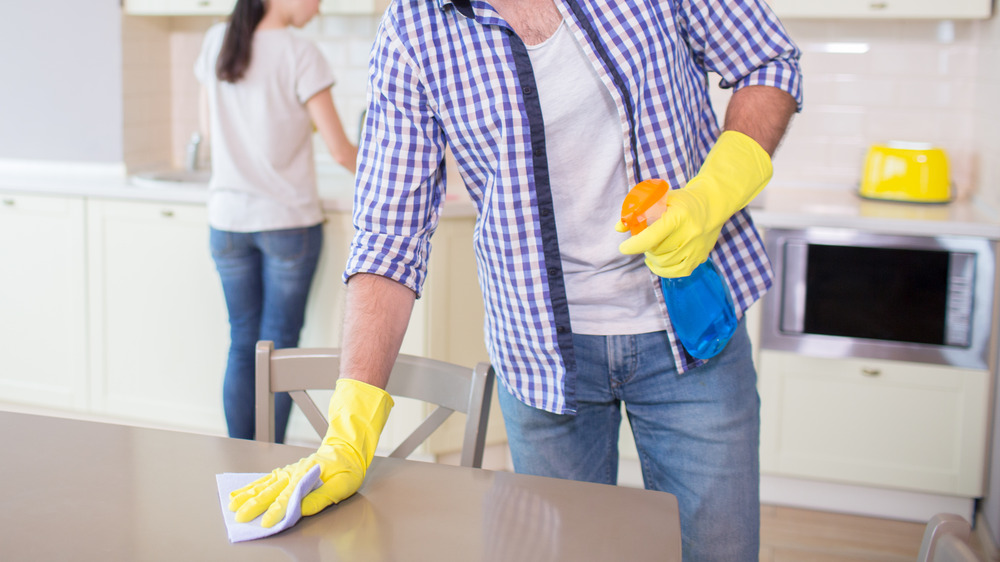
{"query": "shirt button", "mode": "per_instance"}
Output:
(545, 211)
(527, 90)
(553, 271)
(561, 329)
(539, 152)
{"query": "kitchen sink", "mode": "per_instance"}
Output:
(173, 178)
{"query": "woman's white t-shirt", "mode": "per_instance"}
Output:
(263, 170)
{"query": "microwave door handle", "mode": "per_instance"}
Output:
(793, 309)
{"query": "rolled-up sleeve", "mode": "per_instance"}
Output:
(399, 188)
(744, 43)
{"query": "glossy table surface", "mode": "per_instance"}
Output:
(78, 490)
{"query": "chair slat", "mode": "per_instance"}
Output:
(452, 388)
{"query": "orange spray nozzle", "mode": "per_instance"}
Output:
(644, 203)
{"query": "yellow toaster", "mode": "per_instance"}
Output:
(911, 172)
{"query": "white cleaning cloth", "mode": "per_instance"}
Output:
(251, 530)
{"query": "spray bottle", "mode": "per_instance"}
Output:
(700, 307)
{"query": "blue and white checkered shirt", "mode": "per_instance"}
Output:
(453, 73)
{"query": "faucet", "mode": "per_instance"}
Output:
(191, 161)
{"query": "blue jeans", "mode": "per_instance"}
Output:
(697, 434)
(265, 278)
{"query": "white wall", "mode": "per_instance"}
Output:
(875, 81)
(344, 40)
(60, 91)
(96, 86)
(865, 82)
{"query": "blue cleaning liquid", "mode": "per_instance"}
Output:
(701, 310)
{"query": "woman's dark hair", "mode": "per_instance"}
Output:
(234, 57)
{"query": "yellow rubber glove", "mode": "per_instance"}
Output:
(735, 171)
(357, 415)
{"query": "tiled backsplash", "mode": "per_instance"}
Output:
(875, 81)
(865, 82)
(146, 92)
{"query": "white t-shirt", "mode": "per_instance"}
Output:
(263, 170)
(609, 293)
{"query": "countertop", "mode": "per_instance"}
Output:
(335, 187)
(840, 207)
(777, 207)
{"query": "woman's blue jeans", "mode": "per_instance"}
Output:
(697, 434)
(265, 278)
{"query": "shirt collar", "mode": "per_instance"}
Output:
(464, 7)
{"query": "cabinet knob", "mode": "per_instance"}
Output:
(878, 5)
(869, 372)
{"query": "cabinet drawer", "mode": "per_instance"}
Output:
(179, 7)
(884, 423)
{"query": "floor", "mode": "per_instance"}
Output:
(798, 535)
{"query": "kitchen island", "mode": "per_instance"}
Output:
(143, 494)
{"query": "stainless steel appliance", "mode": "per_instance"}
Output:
(849, 293)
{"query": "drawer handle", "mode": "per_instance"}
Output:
(879, 5)
(204, 3)
(8, 202)
(869, 372)
(167, 213)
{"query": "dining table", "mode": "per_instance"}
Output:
(81, 490)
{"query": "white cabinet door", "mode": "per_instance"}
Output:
(891, 424)
(43, 301)
(325, 309)
(179, 7)
(158, 323)
(930, 9)
(352, 7)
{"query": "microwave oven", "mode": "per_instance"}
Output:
(849, 293)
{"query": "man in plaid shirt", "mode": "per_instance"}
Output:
(554, 109)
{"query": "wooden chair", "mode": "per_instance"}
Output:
(450, 387)
(946, 540)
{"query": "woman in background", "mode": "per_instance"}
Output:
(264, 88)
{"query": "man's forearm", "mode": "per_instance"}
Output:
(377, 312)
(762, 113)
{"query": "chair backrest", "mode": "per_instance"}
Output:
(451, 387)
(946, 540)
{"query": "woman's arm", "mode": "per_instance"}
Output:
(324, 116)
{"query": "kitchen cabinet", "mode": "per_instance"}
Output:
(120, 315)
(158, 323)
(353, 7)
(179, 7)
(927, 9)
(224, 7)
(42, 301)
(889, 424)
